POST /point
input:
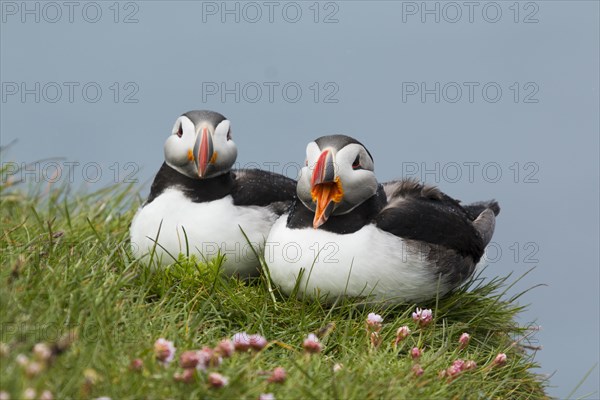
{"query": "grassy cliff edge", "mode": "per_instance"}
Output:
(68, 281)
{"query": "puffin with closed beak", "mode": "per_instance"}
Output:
(348, 235)
(199, 205)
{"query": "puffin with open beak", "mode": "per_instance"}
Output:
(396, 242)
(197, 203)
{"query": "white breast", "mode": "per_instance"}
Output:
(210, 227)
(369, 262)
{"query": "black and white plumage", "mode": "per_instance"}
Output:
(400, 241)
(197, 204)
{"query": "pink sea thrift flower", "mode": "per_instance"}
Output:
(33, 369)
(189, 359)
(29, 394)
(374, 322)
(257, 342)
(417, 370)
(22, 360)
(278, 375)
(225, 348)
(415, 353)
(376, 339)
(458, 366)
(136, 365)
(469, 365)
(46, 395)
(241, 341)
(453, 370)
(207, 357)
(422, 317)
(187, 376)
(164, 350)
(402, 333)
(42, 351)
(463, 341)
(217, 380)
(500, 359)
(266, 396)
(311, 344)
(4, 395)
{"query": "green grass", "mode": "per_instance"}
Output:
(68, 279)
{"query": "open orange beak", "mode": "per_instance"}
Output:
(326, 188)
(203, 152)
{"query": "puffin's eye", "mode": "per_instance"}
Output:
(179, 132)
(306, 162)
(356, 163)
(229, 134)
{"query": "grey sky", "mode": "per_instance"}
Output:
(361, 68)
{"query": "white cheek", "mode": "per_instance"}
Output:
(176, 151)
(227, 156)
(303, 186)
(362, 186)
(304, 173)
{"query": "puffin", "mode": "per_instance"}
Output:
(198, 205)
(346, 235)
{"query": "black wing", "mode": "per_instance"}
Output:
(421, 212)
(255, 187)
(475, 209)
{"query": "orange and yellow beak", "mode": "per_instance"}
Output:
(204, 153)
(326, 188)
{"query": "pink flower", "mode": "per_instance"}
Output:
(415, 353)
(4, 395)
(278, 375)
(33, 369)
(42, 351)
(375, 339)
(453, 370)
(266, 396)
(470, 365)
(208, 358)
(241, 341)
(374, 322)
(136, 364)
(459, 364)
(401, 334)
(464, 340)
(417, 370)
(311, 344)
(225, 348)
(217, 380)
(500, 359)
(189, 359)
(46, 395)
(257, 342)
(29, 394)
(22, 360)
(422, 317)
(164, 350)
(187, 376)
